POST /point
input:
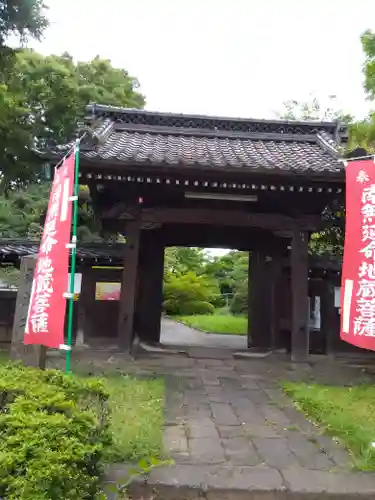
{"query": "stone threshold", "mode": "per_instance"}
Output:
(223, 482)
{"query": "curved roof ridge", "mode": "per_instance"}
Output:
(193, 121)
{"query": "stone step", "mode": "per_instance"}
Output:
(193, 482)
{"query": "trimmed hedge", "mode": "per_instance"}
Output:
(53, 432)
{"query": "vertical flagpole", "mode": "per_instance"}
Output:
(73, 259)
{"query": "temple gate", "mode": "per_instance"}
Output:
(177, 180)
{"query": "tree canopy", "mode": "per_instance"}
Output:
(42, 99)
(22, 18)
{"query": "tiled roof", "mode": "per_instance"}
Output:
(135, 137)
(11, 250)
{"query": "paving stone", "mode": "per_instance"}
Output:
(240, 451)
(249, 383)
(298, 419)
(173, 415)
(217, 398)
(203, 412)
(275, 452)
(275, 416)
(259, 397)
(197, 430)
(250, 416)
(262, 431)
(223, 414)
(175, 440)
(232, 431)
(206, 450)
(200, 422)
(300, 480)
(212, 478)
(241, 402)
(340, 457)
(308, 454)
(213, 389)
(210, 379)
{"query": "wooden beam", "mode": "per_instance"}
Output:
(125, 328)
(300, 270)
(235, 218)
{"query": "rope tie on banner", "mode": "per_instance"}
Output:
(71, 150)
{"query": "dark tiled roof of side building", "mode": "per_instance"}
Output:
(13, 249)
(136, 137)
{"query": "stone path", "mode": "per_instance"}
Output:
(233, 417)
(232, 432)
(173, 333)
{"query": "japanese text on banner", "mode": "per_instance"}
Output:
(364, 322)
(45, 322)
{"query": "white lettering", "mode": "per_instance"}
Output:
(362, 177)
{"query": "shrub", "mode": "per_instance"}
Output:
(53, 431)
(176, 308)
(189, 294)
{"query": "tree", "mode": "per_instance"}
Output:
(314, 110)
(23, 18)
(230, 270)
(43, 99)
(362, 133)
(180, 260)
(22, 214)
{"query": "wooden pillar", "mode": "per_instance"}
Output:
(260, 301)
(276, 297)
(300, 272)
(150, 293)
(328, 316)
(125, 330)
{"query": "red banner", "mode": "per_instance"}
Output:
(358, 273)
(46, 316)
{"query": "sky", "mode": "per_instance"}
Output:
(236, 58)
(240, 58)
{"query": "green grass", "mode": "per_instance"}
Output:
(136, 418)
(345, 413)
(217, 323)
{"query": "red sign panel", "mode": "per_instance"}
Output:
(46, 316)
(358, 273)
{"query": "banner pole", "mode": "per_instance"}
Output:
(73, 259)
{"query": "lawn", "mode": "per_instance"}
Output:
(136, 418)
(346, 413)
(217, 323)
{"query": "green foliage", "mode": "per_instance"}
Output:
(53, 432)
(10, 275)
(43, 97)
(189, 294)
(179, 260)
(23, 18)
(239, 303)
(314, 110)
(22, 213)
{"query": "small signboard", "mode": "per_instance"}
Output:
(107, 291)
